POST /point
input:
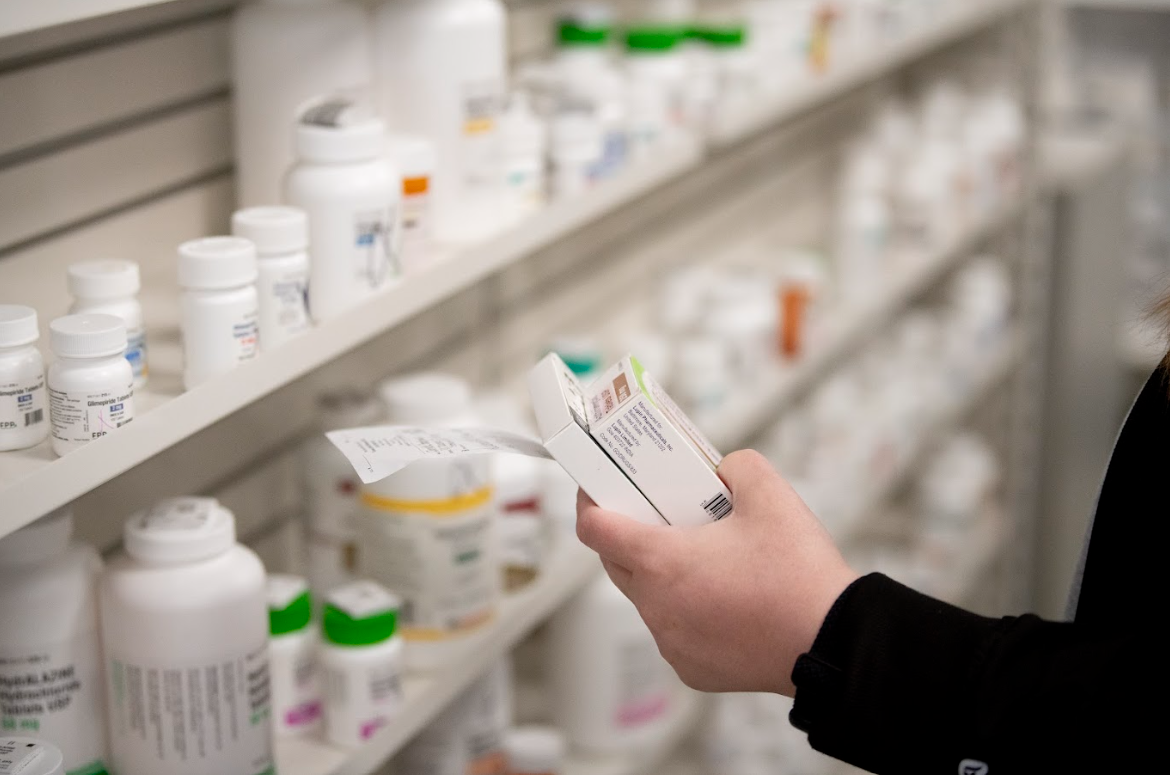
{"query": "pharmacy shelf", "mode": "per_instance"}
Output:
(20, 17)
(651, 759)
(1120, 5)
(33, 482)
(757, 403)
(569, 569)
(960, 20)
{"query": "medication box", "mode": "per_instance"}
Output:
(628, 445)
(669, 460)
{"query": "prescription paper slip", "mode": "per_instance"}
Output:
(379, 451)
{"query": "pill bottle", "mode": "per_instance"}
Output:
(111, 288)
(654, 57)
(863, 227)
(576, 151)
(524, 143)
(649, 120)
(29, 756)
(415, 158)
(612, 692)
(535, 750)
(701, 374)
(49, 642)
(441, 748)
(800, 289)
(24, 403)
(363, 661)
(292, 655)
(285, 53)
(281, 237)
(742, 313)
(521, 548)
(487, 704)
(351, 190)
(184, 624)
(332, 490)
(441, 67)
(220, 309)
(91, 384)
(584, 71)
(736, 69)
(427, 532)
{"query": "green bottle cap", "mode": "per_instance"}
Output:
(722, 36)
(360, 614)
(574, 33)
(653, 39)
(290, 605)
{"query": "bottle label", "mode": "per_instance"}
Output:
(54, 692)
(375, 694)
(284, 304)
(300, 706)
(246, 332)
(214, 716)
(375, 253)
(77, 415)
(136, 354)
(436, 554)
(643, 683)
(22, 404)
(482, 101)
(416, 223)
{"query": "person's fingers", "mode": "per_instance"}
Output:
(752, 480)
(621, 578)
(615, 537)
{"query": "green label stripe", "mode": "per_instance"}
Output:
(93, 768)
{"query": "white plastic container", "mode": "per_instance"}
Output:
(488, 714)
(281, 237)
(612, 692)
(184, 614)
(49, 642)
(415, 158)
(440, 68)
(701, 378)
(585, 71)
(220, 309)
(332, 491)
(864, 223)
(535, 750)
(284, 54)
(362, 657)
(427, 532)
(24, 402)
(292, 654)
(577, 149)
(29, 756)
(524, 144)
(111, 288)
(91, 384)
(351, 192)
(654, 60)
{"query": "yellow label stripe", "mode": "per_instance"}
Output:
(452, 505)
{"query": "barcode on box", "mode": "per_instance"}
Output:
(32, 418)
(718, 507)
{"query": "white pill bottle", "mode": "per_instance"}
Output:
(351, 190)
(24, 403)
(111, 288)
(612, 692)
(292, 652)
(185, 634)
(427, 531)
(91, 384)
(281, 237)
(49, 642)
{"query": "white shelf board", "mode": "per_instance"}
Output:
(570, 567)
(757, 403)
(19, 16)
(33, 482)
(963, 19)
(1120, 5)
(653, 757)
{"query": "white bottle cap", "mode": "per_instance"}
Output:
(428, 397)
(338, 131)
(414, 155)
(18, 325)
(180, 530)
(30, 756)
(349, 409)
(534, 749)
(105, 279)
(274, 229)
(87, 336)
(46, 537)
(217, 263)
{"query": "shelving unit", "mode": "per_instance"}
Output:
(1120, 5)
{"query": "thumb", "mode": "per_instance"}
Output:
(617, 538)
(751, 479)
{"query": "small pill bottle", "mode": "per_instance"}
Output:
(111, 288)
(363, 660)
(415, 157)
(292, 655)
(576, 150)
(521, 549)
(91, 384)
(220, 306)
(28, 756)
(281, 237)
(24, 404)
(535, 750)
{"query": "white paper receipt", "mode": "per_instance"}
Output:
(377, 452)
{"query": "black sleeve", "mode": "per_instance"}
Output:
(900, 683)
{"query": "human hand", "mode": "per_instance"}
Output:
(732, 604)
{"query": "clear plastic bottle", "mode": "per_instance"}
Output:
(351, 191)
(24, 402)
(220, 307)
(49, 642)
(111, 288)
(186, 600)
(91, 384)
(427, 532)
(292, 653)
(281, 236)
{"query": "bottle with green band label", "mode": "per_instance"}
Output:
(362, 658)
(292, 653)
